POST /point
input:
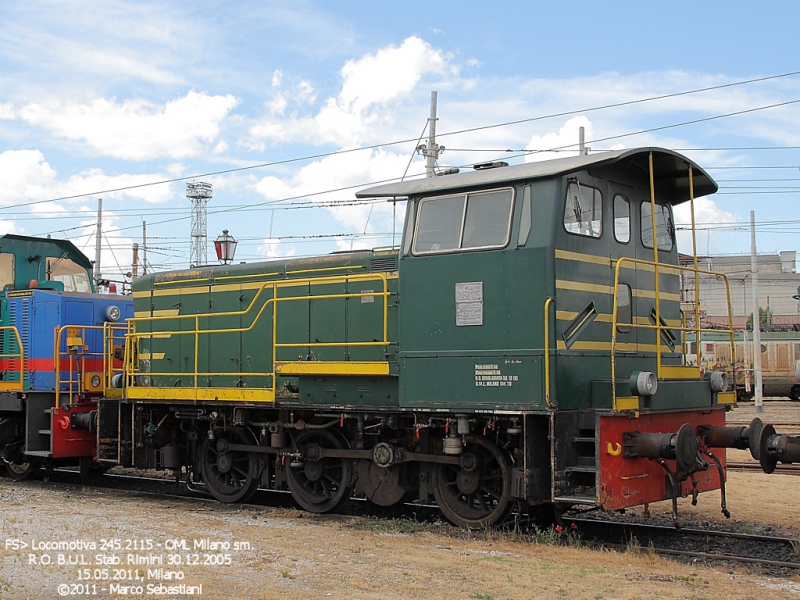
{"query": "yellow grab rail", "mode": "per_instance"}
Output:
(9, 358)
(133, 336)
(658, 327)
(547, 304)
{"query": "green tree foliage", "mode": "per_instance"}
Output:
(765, 317)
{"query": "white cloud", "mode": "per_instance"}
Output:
(705, 211)
(7, 226)
(564, 143)
(351, 170)
(25, 175)
(273, 248)
(277, 77)
(369, 84)
(28, 177)
(137, 129)
(305, 92)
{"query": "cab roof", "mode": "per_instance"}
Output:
(670, 175)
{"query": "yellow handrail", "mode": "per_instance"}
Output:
(12, 356)
(658, 326)
(133, 336)
(547, 304)
(76, 385)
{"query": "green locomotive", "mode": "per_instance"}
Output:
(523, 346)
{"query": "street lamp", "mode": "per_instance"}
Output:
(225, 245)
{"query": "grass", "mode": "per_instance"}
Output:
(404, 526)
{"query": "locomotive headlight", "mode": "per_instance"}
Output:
(643, 383)
(95, 381)
(719, 381)
(113, 313)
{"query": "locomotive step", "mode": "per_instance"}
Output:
(583, 440)
(42, 453)
(586, 500)
(581, 469)
(45, 432)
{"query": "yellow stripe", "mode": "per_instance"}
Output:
(325, 269)
(332, 368)
(163, 312)
(579, 286)
(726, 398)
(679, 372)
(627, 403)
(567, 315)
(176, 393)
(581, 257)
(144, 294)
(606, 261)
(226, 287)
(154, 356)
(184, 291)
(250, 276)
(625, 346)
(652, 295)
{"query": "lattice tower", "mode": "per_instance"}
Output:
(199, 193)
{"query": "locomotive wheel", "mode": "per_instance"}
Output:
(20, 471)
(231, 476)
(477, 492)
(322, 485)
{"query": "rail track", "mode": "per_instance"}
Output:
(770, 554)
(777, 554)
(792, 469)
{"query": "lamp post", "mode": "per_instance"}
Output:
(225, 245)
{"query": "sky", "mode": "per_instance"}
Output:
(288, 109)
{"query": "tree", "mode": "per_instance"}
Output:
(765, 317)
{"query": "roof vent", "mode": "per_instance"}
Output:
(447, 171)
(495, 164)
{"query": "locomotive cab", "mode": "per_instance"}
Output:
(567, 309)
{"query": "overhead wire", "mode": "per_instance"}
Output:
(445, 134)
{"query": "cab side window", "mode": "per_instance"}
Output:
(622, 219)
(583, 210)
(478, 220)
(665, 230)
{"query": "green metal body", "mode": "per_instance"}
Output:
(494, 362)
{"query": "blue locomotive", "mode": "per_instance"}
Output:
(58, 340)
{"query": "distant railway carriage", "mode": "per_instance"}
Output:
(780, 353)
(56, 336)
(522, 346)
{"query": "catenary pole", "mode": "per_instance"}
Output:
(759, 396)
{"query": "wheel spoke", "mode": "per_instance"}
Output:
(331, 486)
(240, 477)
(481, 496)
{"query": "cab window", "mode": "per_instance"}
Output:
(665, 230)
(6, 269)
(72, 275)
(583, 211)
(478, 220)
(622, 219)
